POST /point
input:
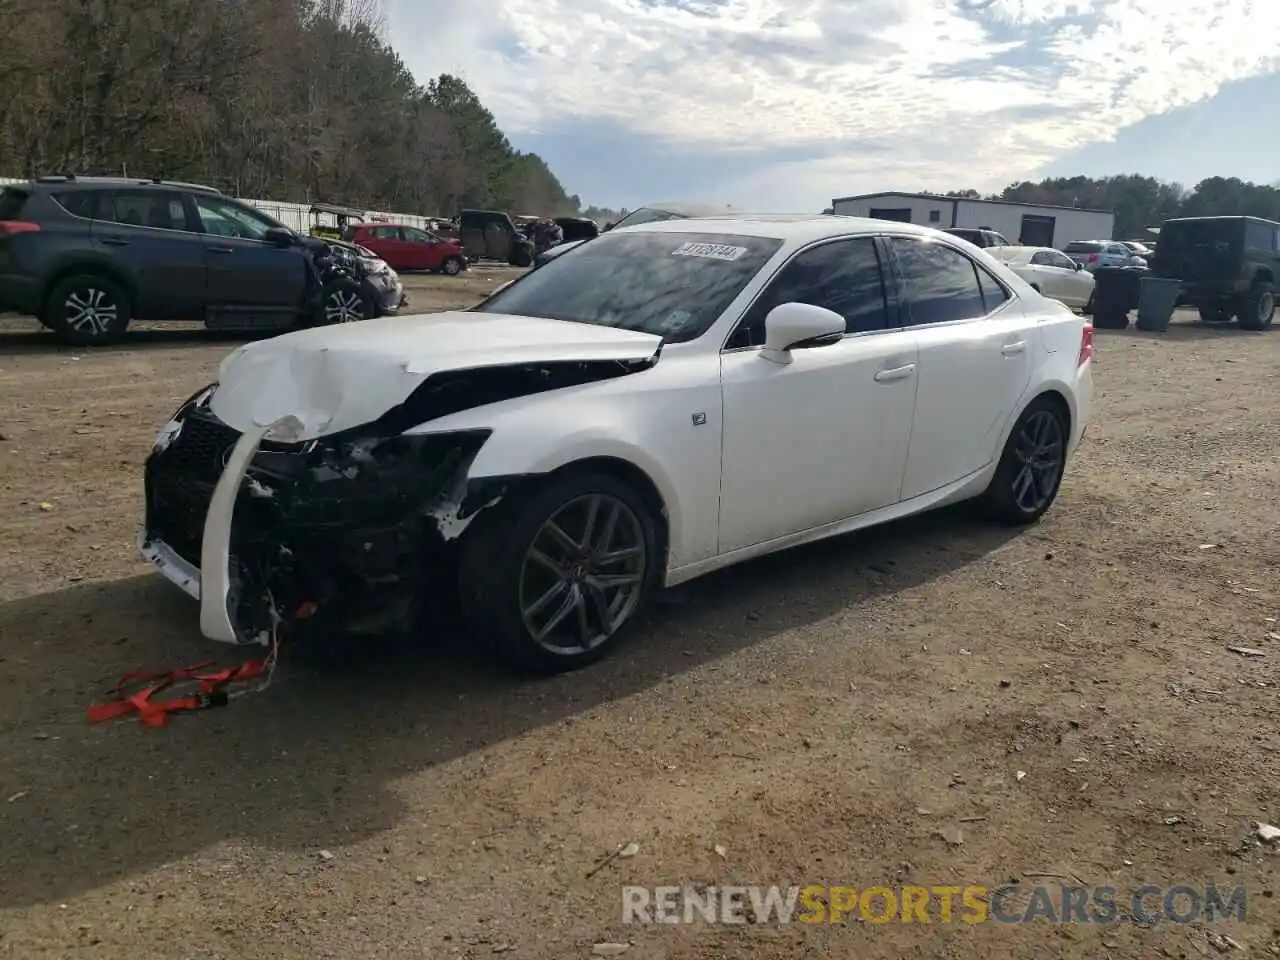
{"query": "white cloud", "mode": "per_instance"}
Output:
(958, 91)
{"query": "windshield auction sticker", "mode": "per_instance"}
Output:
(713, 251)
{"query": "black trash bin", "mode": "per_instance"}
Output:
(1116, 291)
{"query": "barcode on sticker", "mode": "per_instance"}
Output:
(714, 251)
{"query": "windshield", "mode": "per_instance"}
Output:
(674, 285)
(648, 215)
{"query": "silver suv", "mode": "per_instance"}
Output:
(1092, 254)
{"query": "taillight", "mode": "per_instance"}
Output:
(11, 228)
(1091, 258)
(1086, 345)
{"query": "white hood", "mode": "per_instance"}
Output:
(332, 378)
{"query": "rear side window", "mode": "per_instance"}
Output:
(940, 283)
(993, 291)
(11, 203)
(1083, 246)
(142, 208)
(79, 203)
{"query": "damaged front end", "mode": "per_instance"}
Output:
(350, 532)
(331, 531)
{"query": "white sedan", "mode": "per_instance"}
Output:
(664, 401)
(1051, 272)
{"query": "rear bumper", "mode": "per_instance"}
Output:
(1084, 405)
(19, 293)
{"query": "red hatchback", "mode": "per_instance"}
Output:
(409, 248)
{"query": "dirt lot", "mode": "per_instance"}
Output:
(857, 712)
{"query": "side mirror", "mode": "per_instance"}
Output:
(279, 236)
(792, 326)
(1079, 266)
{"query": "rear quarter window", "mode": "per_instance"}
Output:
(12, 201)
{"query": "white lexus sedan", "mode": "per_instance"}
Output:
(1051, 272)
(667, 400)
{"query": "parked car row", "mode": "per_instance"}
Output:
(86, 256)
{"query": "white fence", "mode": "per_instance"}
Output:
(297, 215)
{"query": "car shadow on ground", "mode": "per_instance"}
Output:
(1182, 332)
(315, 757)
(43, 341)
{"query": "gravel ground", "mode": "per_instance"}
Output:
(936, 703)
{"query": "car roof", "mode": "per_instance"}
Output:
(794, 227)
(136, 183)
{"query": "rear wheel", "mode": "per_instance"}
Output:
(1258, 307)
(1214, 312)
(553, 580)
(1030, 471)
(88, 310)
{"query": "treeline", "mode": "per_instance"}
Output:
(298, 100)
(1140, 202)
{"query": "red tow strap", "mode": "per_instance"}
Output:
(211, 691)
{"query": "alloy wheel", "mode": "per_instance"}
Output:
(1040, 452)
(583, 574)
(344, 306)
(1266, 306)
(90, 310)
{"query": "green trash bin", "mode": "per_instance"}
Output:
(1156, 302)
(1115, 293)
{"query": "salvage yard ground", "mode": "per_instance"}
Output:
(857, 712)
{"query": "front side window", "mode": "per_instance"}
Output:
(675, 285)
(940, 283)
(226, 218)
(843, 276)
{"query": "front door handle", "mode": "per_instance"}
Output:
(1013, 349)
(220, 249)
(115, 241)
(897, 373)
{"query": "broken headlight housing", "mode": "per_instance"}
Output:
(169, 432)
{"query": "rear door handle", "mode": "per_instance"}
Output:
(221, 249)
(115, 241)
(1013, 349)
(897, 373)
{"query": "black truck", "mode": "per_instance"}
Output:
(1227, 265)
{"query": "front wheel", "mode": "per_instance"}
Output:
(555, 580)
(343, 303)
(451, 267)
(88, 311)
(1258, 307)
(1030, 471)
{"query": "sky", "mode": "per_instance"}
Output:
(781, 105)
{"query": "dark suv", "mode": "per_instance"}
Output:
(979, 236)
(86, 255)
(1228, 266)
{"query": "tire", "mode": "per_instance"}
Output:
(522, 257)
(506, 593)
(1001, 500)
(1214, 313)
(1258, 307)
(1087, 309)
(88, 310)
(342, 302)
(452, 267)
(1114, 320)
